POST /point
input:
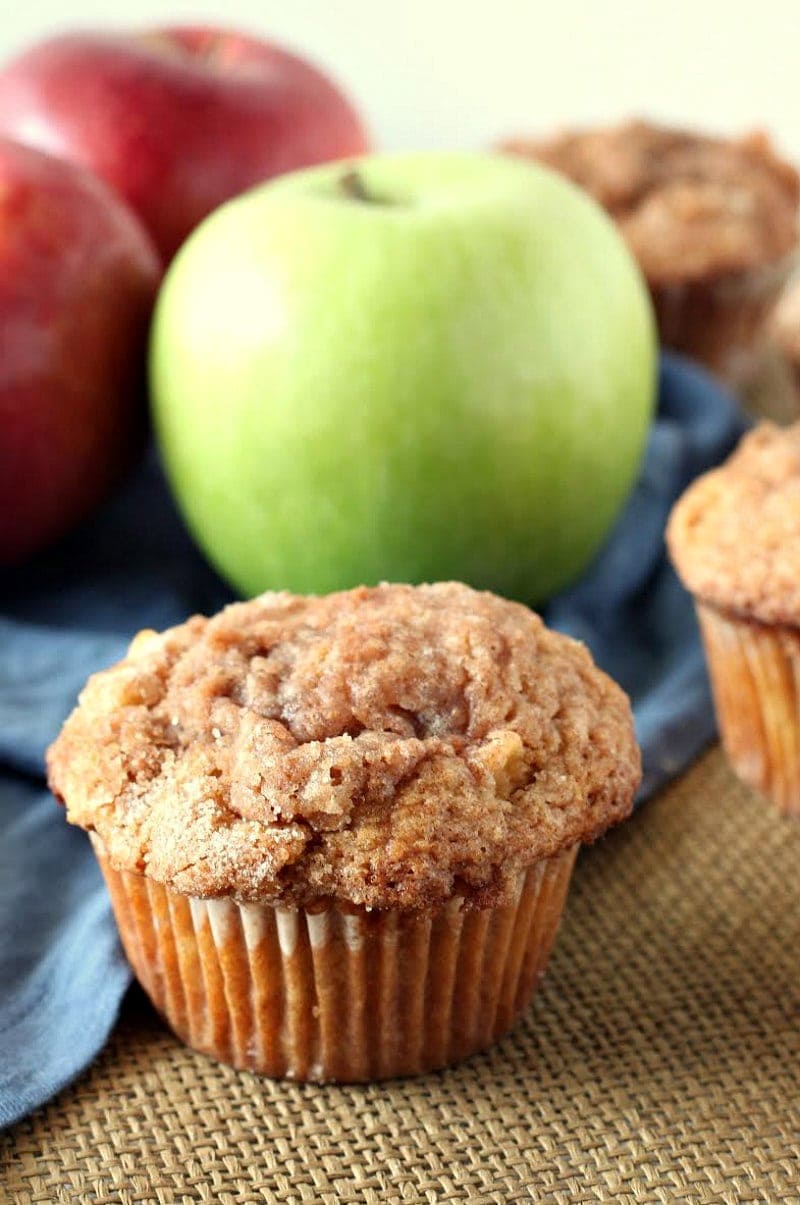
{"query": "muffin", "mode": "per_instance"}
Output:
(338, 832)
(734, 537)
(712, 222)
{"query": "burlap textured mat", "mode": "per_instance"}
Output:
(659, 1063)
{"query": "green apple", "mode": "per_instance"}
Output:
(407, 368)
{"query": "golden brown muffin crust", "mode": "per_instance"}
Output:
(734, 536)
(387, 747)
(690, 206)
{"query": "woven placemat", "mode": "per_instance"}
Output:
(659, 1062)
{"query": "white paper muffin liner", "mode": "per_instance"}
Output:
(724, 322)
(755, 676)
(336, 994)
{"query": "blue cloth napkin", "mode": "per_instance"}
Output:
(73, 610)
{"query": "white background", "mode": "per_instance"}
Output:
(463, 72)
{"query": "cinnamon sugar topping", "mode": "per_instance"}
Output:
(690, 206)
(735, 534)
(387, 747)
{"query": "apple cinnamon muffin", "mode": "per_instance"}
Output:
(711, 221)
(734, 537)
(338, 831)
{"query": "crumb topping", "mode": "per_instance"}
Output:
(690, 206)
(734, 536)
(387, 747)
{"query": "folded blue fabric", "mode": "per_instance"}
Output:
(62, 973)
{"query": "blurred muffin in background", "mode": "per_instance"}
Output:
(734, 538)
(713, 223)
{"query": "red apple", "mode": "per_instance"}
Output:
(176, 120)
(78, 277)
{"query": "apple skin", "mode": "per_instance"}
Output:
(78, 278)
(176, 120)
(454, 380)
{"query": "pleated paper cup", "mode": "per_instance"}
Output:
(755, 676)
(342, 995)
(723, 323)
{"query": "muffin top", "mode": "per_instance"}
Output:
(690, 206)
(734, 536)
(388, 747)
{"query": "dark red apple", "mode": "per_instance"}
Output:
(78, 277)
(176, 120)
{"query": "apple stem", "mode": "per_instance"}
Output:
(353, 186)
